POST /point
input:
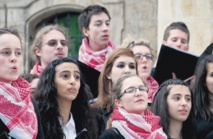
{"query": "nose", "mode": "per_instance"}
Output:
(13, 58)
(183, 102)
(105, 27)
(178, 45)
(59, 46)
(127, 70)
(72, 80)
(137, 92)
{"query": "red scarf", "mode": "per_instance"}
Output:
(153, 88)
(37, 69)
(94, 59)
(134, 126)
(17, 110)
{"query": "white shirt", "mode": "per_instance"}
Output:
(69, 128)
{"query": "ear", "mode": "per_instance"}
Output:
(118, 103)
(85, 32)
(164, 42)
(109, 76)
(38, 51)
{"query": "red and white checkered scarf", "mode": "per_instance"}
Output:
(94, 59)
(134, 126)
(153, 88)
(17, 110)
(37, 69)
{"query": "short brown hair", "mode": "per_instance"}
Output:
(176, 25)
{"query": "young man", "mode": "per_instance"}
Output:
(177, 35)
(94, 22)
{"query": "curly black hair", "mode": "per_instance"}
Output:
(46, 95)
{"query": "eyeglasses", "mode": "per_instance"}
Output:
(131, 90)
(54, 43)
(147, 56)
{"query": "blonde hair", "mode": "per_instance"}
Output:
(37, 43)
(130, 42)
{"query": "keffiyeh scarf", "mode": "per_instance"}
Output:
(94, 59)
(37, 69)
(17, 110)
(153, 88)
(134, 126)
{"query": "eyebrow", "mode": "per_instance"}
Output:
(180, 95)
(64, 71)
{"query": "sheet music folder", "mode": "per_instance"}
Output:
(174, 60)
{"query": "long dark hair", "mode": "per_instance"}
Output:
(46, 95)
(201, 92)
(160, 108)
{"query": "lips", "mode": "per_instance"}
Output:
(140, 100)
(183, 112)
(105, 36)
(72, 90)
(59, 54)
(14, 68)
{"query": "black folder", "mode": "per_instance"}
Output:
(174, 60)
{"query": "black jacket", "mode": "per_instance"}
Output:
(90, 76)
(204, 129)
(112, 133)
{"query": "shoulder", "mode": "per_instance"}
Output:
(112, 133)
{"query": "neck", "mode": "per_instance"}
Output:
(43, 65)
(96, 47)
(175, 128)
(64, 110)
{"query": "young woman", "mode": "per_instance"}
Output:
(63, 104)
(203, 92)
(145, 58)
(119, 63)
(173, 103)
(51, 42)
(131, 118)
(17, 111)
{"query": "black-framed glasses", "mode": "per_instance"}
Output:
(140, 56)
(131, 90)
(53, 43)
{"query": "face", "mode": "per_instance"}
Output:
(121, 66)
(67, 81)
(34, 84)
(98, 32)
(54, 46)
(177, 39)
(209, 77)
(133, 102)
(144, 64)
(179, 103)
(10, 58)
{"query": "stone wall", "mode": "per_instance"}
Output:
(197, 14)
(140, 18)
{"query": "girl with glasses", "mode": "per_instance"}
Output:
(145, 58)
(119, 63)
(131, 119)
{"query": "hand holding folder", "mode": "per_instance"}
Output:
(171, 60)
